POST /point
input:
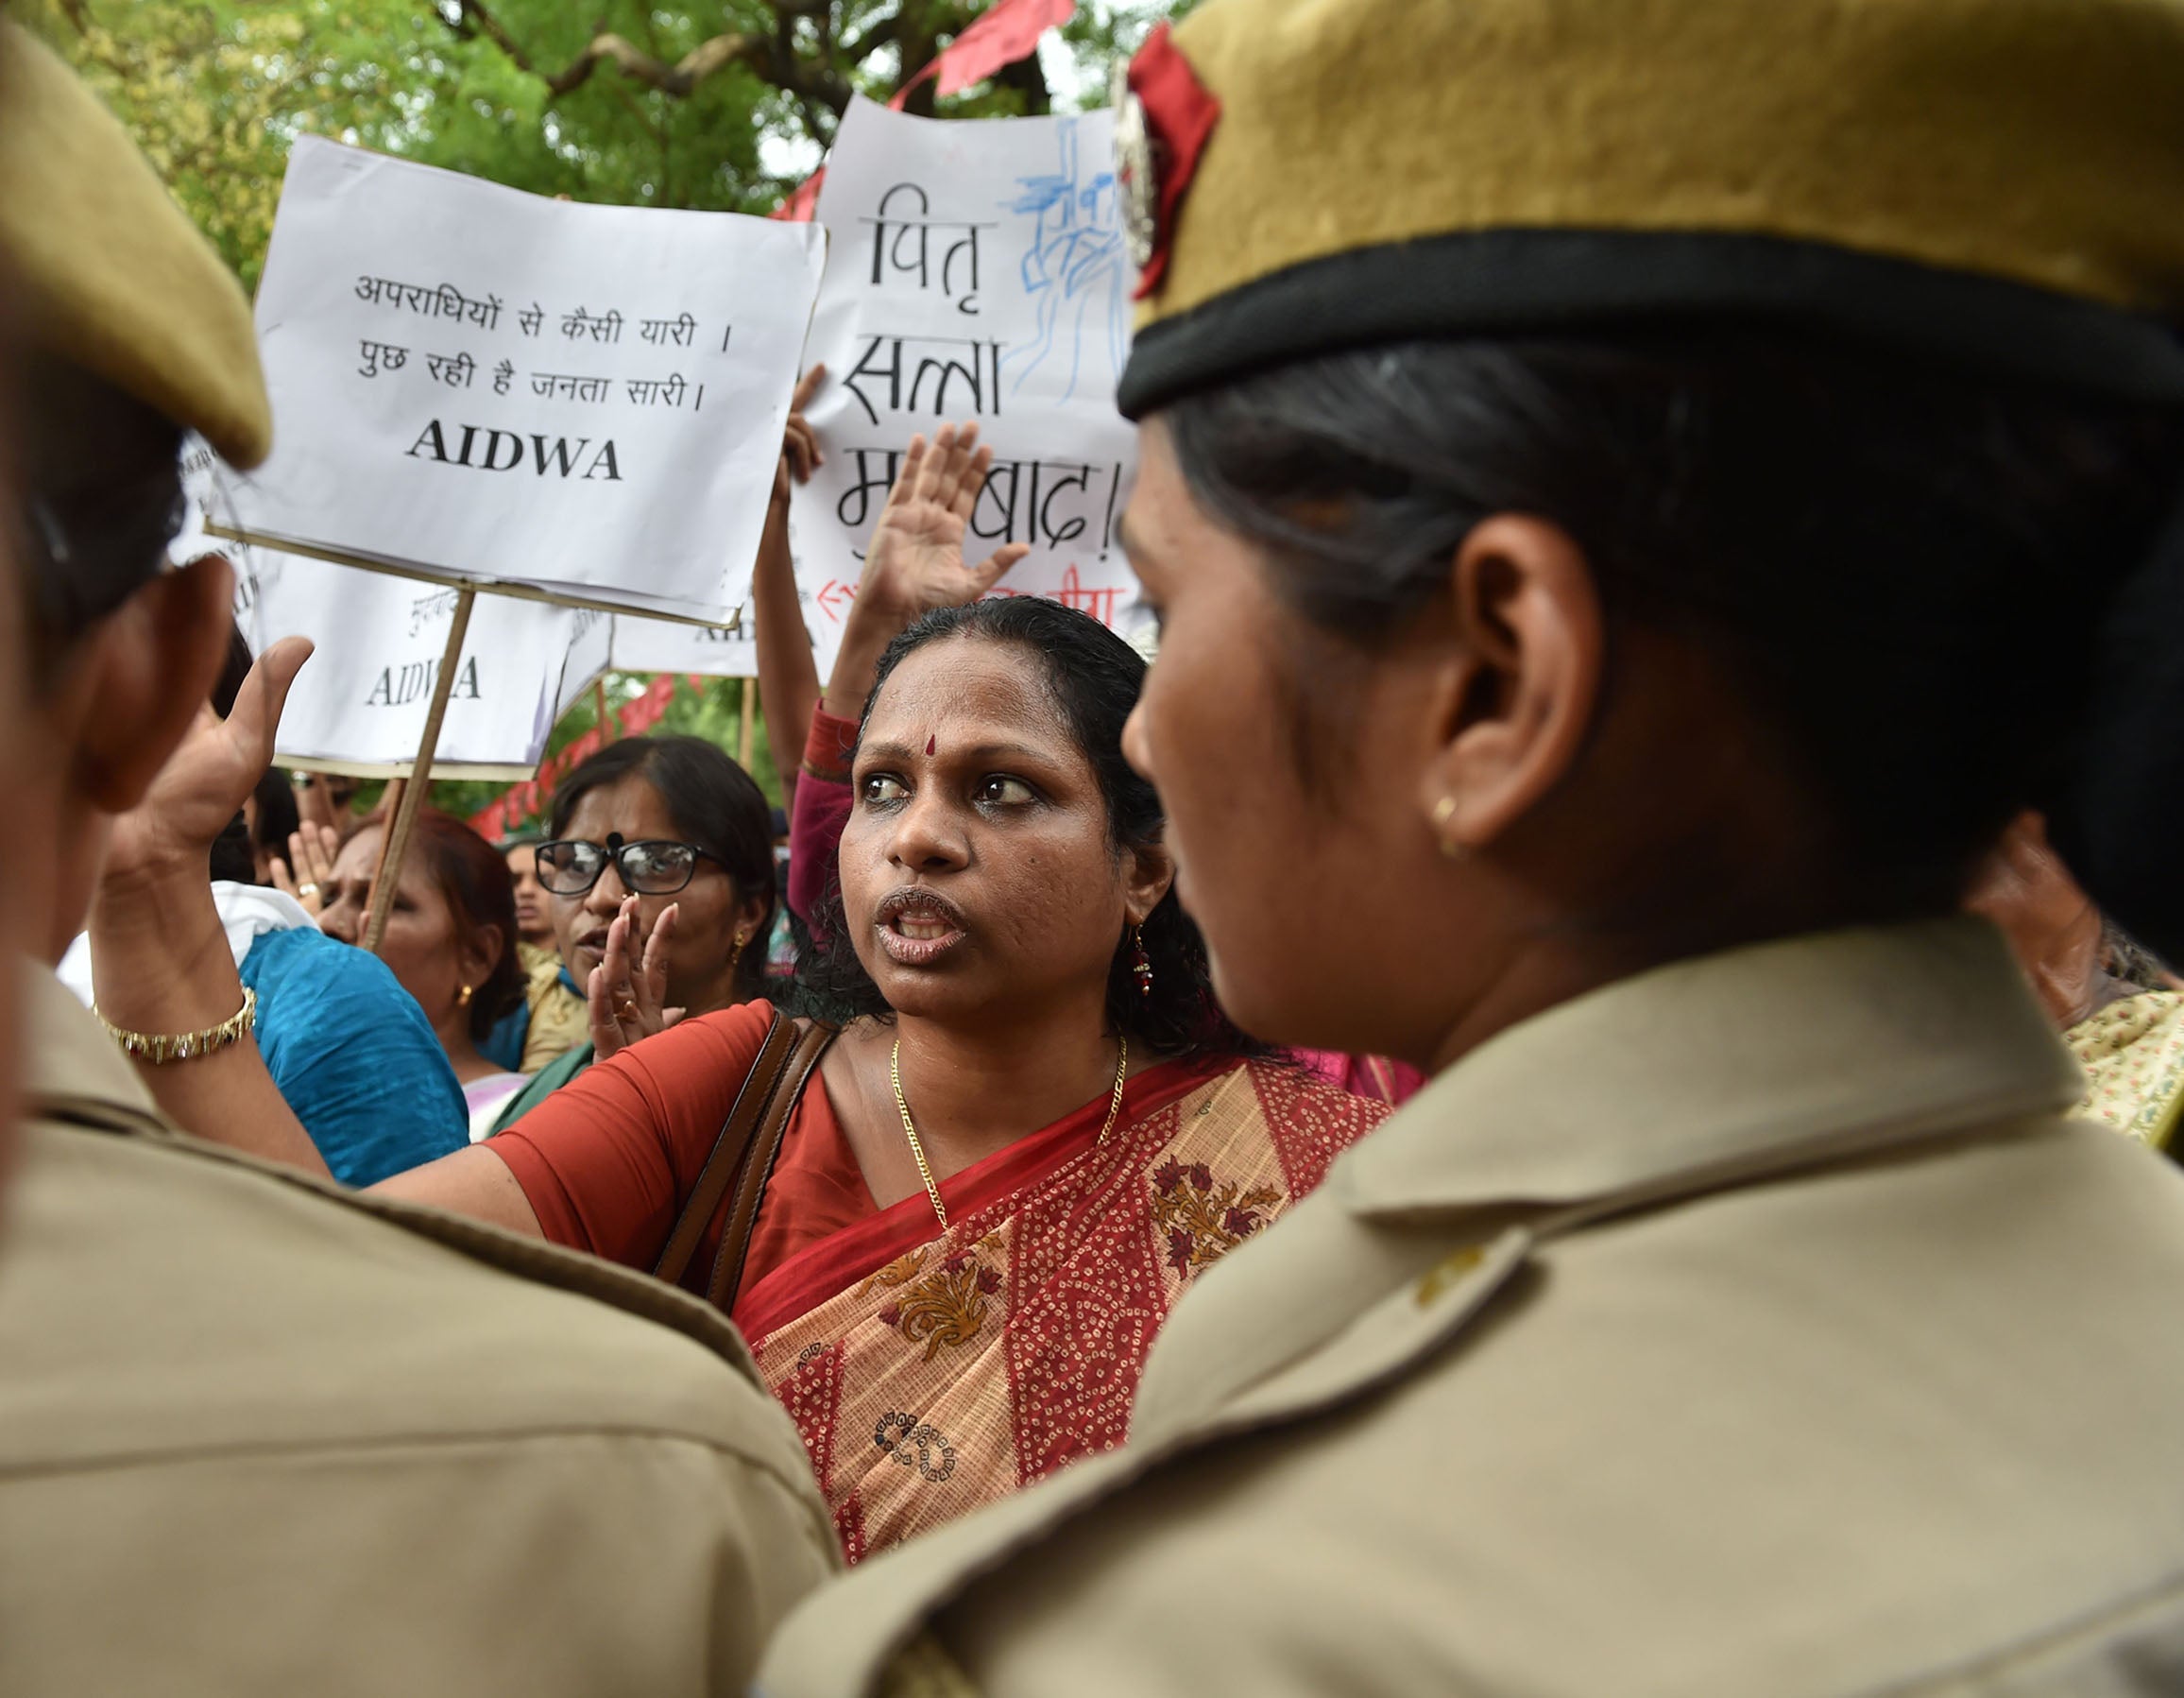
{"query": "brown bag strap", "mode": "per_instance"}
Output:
(758, 1166)
(749, 1117)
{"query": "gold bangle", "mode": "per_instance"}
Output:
(159, 1048)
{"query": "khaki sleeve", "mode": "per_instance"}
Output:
(580, 1562)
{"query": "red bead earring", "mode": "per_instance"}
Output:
(1140, 962)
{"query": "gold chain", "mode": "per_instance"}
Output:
(917, 1149)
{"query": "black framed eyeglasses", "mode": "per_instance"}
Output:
(657, 866)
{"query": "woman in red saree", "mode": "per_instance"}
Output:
(1035, 1128)
(931, 1370)
(1033, 1132)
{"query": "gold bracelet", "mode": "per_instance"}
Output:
(159, 1048)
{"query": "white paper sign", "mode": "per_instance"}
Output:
(484, 386)
(707, 651)
(359, 705)
(977, 271)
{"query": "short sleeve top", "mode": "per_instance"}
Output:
(353, 1054)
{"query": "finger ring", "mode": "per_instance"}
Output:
(307, 890)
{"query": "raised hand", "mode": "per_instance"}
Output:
(800, 455)
(204, 783)
(628, 987)
(310, 867)
(916, 560)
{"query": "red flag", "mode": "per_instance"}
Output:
(803, 201)
(647, 710)
(1010, 31)
(1005, 34)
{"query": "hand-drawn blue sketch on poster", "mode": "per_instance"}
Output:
(1077, 274)
(979, 275)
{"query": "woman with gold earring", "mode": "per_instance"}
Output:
(1637, 498)
(451, 941)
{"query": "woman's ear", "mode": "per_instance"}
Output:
(1148, 875)
(1515, 698)
(141, 677)
(479, 952)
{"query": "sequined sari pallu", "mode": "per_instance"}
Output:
(932, 1372)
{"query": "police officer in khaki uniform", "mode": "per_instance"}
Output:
(1638, 492)
(258, 1435)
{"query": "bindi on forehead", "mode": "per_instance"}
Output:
(929, 742)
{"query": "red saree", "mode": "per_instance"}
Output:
(929, 1373)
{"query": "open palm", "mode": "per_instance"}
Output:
(205, 780)
(915, 561)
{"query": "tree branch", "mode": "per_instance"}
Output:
(705, 59)
(860, 48)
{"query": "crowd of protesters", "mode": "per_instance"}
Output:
(1573, 1090)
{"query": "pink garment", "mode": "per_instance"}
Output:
(1371, 1076)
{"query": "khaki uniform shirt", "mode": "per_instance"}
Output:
(1757, 1326)
(560, 1020)
(262, 1436)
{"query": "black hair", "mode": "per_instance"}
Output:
(234, 854)
(102, 497)
(1092, 677)
(714, 804)
(1903, 569)
(278, 817)
(474, 882)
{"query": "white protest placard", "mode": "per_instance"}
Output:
(478, 385)
(359, 704)
(708, 651)
(977, 271)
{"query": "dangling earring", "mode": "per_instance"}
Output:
(736, 958)
(464, 1000)
(1140, 962)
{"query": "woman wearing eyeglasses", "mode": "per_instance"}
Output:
(660, 881)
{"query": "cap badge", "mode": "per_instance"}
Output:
(1163, 119)
(1137, 172)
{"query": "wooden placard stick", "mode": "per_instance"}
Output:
(390, 807)
(420, 773)
(748, 737)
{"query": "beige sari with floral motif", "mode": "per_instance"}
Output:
(932, 1372)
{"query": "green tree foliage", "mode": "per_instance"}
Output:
(722, 106)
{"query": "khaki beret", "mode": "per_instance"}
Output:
(113, 276)
(1997, 182)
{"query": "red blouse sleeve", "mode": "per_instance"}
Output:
(818, 812)
(607, 1161)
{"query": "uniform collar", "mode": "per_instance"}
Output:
(72, 1069)
(1717, 1062)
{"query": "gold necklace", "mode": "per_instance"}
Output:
(917, 1150)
